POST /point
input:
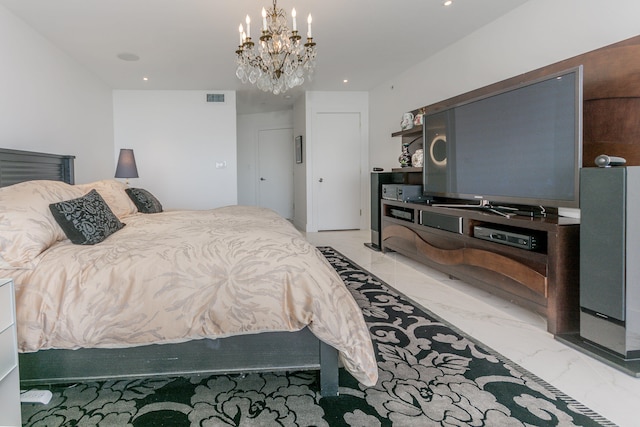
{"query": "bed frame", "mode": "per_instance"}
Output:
(263, 352)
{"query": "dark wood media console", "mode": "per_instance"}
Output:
(545, 280)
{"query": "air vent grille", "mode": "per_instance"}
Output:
(215, 97)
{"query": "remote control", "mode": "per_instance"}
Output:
(36, 396)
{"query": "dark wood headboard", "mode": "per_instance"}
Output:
(19, 166)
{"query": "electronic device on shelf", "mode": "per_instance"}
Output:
(521, 240)
(402, 192)
(399, 213)
(517, 146)
(450, 223)
(604, 161)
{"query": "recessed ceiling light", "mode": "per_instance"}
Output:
(447, 3)
(145, 78)
(125, 56)
(345, 81)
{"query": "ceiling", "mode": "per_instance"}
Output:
(190, 44)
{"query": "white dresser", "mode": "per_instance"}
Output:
(9, 376)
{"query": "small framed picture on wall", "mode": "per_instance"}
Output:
(299, 149)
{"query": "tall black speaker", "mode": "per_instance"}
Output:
(377, 179)
(610, 259)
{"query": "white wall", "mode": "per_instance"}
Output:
(178, 138)
(51, 104)
(249, 126)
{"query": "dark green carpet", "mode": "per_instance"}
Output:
(430, 375)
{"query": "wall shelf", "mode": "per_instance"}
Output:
(416, 130)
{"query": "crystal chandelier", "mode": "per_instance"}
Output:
(279, 61)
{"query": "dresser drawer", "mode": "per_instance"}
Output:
(8, 355)
(6, 306)
(10, 399)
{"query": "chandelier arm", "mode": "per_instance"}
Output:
(279, 61)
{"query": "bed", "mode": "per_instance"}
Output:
(228, 290)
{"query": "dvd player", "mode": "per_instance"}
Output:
(401, 214)
(524, 241)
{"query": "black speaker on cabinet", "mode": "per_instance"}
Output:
(610, 260)
(377, 180)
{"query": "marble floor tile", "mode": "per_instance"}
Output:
(518, 334)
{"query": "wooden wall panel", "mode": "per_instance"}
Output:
(611, 126)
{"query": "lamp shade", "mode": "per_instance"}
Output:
(126, 167)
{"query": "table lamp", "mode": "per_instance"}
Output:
(126, 167)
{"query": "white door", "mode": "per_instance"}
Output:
(275, 171)
(336, 170)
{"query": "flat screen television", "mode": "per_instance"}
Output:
(519, 146)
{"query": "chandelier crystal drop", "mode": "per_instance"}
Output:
(279, 61)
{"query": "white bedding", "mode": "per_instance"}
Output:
(183, 275)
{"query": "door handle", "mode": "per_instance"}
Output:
(321, 180)
(263, 179)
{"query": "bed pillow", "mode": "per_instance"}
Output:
(27, 227)
(144, 201)
(112, 192)
(86, 220)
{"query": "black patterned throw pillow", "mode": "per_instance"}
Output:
(144, 200)
(86, 220)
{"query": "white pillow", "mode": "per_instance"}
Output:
(27, 226)
(113, 193)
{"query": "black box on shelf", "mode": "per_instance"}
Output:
(443, 222)
(402, 192)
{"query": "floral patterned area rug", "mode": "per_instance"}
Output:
(430, 375)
